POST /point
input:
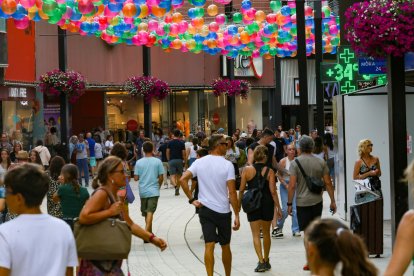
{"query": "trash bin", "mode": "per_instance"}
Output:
(367, 222)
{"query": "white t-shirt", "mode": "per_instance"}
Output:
(213, 172)
(33, 245)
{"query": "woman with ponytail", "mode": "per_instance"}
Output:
(71, 195)
(105, 203)
(332, 249)
(191, 152)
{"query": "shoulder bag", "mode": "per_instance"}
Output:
(252, 199)
(315, 185)
(109, 239)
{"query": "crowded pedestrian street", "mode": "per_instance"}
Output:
(177, 223)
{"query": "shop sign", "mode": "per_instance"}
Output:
(11, 93)
(17, 92)
(370, 65)
(245, 66)
(216, 119)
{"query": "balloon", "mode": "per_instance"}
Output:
(129, 10)
(285, 10)
(260, 16)
(27, 3)
(85, 6)
(220, 19)
(246, 5)
(212, 10)
(244, 37)
(237, 17)
(213, 27)
(275, 5)
(308, 11)
(177, 17)
(22, 23)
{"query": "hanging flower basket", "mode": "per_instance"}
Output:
(381, 27)
(231, 87)
(147, 87)
(70, 83)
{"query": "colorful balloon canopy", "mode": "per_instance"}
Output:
(199, 28)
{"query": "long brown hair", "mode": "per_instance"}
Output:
(105, 168)
(70, 174)
(8, 157)
(336, 243)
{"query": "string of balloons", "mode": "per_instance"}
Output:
(198, 28)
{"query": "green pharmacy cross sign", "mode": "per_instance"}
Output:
(345, 71)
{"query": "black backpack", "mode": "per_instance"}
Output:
(252, 199)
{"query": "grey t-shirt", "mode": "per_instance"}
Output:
(314, 167)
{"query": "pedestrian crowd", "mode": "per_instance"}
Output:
(220, 175)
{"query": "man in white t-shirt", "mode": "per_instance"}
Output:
(33, 243)
(216, 183)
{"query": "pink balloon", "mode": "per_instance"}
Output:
(22, 24)
(160, 30)
(255, 54)
(220, 19)
(152, 25)
(173, 29)
(182, 27)
(27, 3)
(213, 27)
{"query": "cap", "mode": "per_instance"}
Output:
(220, 130)
(243, 135)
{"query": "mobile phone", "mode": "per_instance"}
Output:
(2, 192)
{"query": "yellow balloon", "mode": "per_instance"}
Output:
(43, 15)
(144, 11)
(191, 29)
(32, 9)
(142, 26)
(176, 44)
(191, 44)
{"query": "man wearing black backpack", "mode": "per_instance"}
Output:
(308, 204)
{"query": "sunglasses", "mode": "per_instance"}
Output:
(370, 145)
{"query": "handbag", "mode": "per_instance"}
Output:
(252, 199)
(315, 185)
(130, 197)
(109, 239)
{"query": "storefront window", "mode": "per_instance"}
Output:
(215, 112)
(250, 111)
(18, 121)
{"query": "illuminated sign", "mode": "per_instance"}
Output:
(245, 66)
(15, 92)
(345, 72)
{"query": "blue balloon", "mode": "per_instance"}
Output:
(198, 38)
(165, 41)
(85, 26)
(37, 17)
(285, 10)
(115, 7)
(246, 4)
(76, 15)
(140, 2)
(232, 29)
(192, 13)
(165, 4)
(20, 12)
(212, 36)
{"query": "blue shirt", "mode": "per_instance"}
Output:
(91, 143)
(148, 169)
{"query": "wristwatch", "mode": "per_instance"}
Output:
(289, 204)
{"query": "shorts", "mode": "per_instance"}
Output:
(216, 227)
(149, 205)
(175, 166)
(308, 214)
(92, 161)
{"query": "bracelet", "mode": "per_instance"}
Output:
(289, 204)
(191, 200)
(151, 237)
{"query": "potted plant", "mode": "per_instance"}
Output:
(231, 88)
(70, 83)
(148, 87)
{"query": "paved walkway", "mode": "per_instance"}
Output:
(175, 221)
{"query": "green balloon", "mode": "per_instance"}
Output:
(275, 5)
(335, 41)
(55, 18)
(199, 12)
(255, 26)
(110, 30)
(198, 47)
(167, 28)
(237, 17)
(294, 31)
(50, 9)
(187, 36)
(265, 39)
(272, 51)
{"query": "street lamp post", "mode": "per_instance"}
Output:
(64, 108)
(146, 62)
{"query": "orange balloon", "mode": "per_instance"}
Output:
(191, 29)
(129, 10)
(267, 56)
(177, 17)
(260, 16)
(197, 22)
(114, 39)
(244, 37)
(100, 10)
(191, 44)
(157, 11)
(211, 43)
(212, 10)
(9, 6)
(73, 28)
(167, 50)
(176, 44)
